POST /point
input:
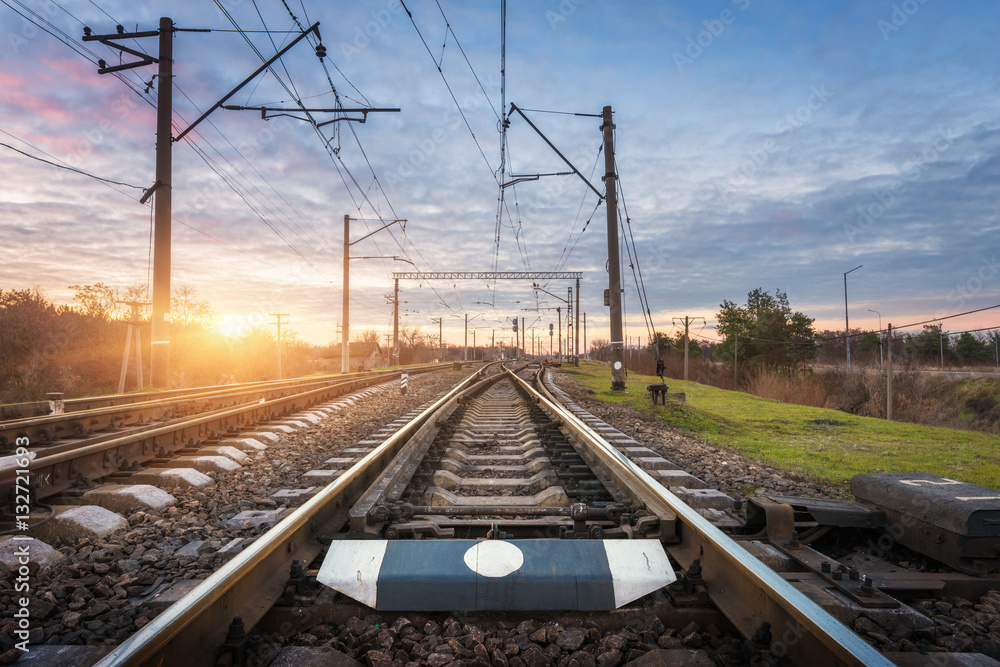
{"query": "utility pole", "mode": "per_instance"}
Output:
(687, 340)
(570, 323)
(395, 322)
(576, 331)
(516, 339)
(133, 323)
(584, 327)
(466, 355)
(345, 358)
(278, 317)
(614, 271)
(160, 328)
(559, 321)
(888, 376)
(440, 348)
(345, 327)
(160, 324)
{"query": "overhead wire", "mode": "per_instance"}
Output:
(633, 253)
(68, 168)
(198, 151)
(44, 24)
(461, 111)
(568, 249)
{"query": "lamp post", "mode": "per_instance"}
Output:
(879, 334)
(847, 323)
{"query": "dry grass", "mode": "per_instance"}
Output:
(918, 398)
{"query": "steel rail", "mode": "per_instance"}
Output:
(56, 472)
(740, 585)
(51, 428)
(248, 585)
(31, 409)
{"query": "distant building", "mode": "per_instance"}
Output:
(364, 357)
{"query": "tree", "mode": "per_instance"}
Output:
(971, 350)
(927, 345)
(674, 345)
(600, 349)
(869, 343)
(98, 300)
(367, 336)
(191, 339)
(765, 331)
(187, 309)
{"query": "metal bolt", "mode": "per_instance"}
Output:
(794, 543)
(825, 567)
(854, 574)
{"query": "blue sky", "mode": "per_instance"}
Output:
(772, 145)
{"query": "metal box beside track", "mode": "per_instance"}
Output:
(954, 522)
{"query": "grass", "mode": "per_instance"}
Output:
(828, 444)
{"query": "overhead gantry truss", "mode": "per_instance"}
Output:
(490, 275)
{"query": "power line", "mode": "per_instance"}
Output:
(450, 91)
(73, 169)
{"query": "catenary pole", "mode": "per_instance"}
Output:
(614, 271)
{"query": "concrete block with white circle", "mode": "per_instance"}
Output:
(449, 575)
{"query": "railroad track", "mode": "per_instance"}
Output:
(502, 496)
(99, 437)
(56, 404)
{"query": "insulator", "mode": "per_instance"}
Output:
(120, 28)
(320, 51)
(87, 31)
(101, 64)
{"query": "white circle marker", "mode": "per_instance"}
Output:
(618, 365)
(494, 559)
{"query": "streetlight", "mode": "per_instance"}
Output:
(879, 334)
(847, 323)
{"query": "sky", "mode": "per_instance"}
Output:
(775, 145)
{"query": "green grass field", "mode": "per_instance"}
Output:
(828, 444)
